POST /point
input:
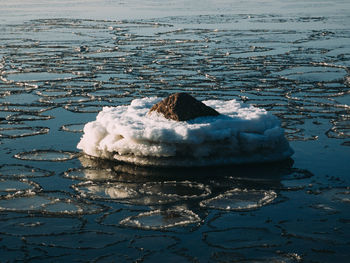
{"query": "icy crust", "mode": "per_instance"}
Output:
(240, 134)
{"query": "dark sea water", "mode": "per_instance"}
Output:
(62, 61)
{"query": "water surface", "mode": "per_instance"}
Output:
(60, 63)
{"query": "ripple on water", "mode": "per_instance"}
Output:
(279, 258)
(154, 242)
(74, 127)
(242, 237)
(79, 240)
(347, 143)
(338, 196)
(297, 179)
(41, 225)
(339, 132)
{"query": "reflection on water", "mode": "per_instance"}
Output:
(172, 191)
(56, 74)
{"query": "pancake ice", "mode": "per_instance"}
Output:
(240, 134)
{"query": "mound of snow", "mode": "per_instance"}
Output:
(240, 134)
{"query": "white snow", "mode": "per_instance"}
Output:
(241, 134)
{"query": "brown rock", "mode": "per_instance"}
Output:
(182, 107)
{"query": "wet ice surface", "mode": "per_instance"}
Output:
(57, 74)
(240, 199)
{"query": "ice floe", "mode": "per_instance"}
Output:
(240, 134)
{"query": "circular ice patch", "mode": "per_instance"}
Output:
(52, 203)
(159, 219)
(47, 155)
(240, 199)
(17, 132)
(22, 171)
(53, 93)
(83, 108)
(66, 100)
(75, 127)
(313, 74)
(15, 187)
(39, 76)
(28, 117)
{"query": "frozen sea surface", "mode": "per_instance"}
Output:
(61, 62)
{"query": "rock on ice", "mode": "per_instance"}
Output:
(240, 134)
(182, 107)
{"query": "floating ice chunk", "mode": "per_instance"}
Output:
(159, 219)
(52, 203)
(47, 155)
(17, 132)
(15, 187)
(78, 127)
(240, 134)
(240, 199)
(22, 171)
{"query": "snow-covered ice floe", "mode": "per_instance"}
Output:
(240, 134)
